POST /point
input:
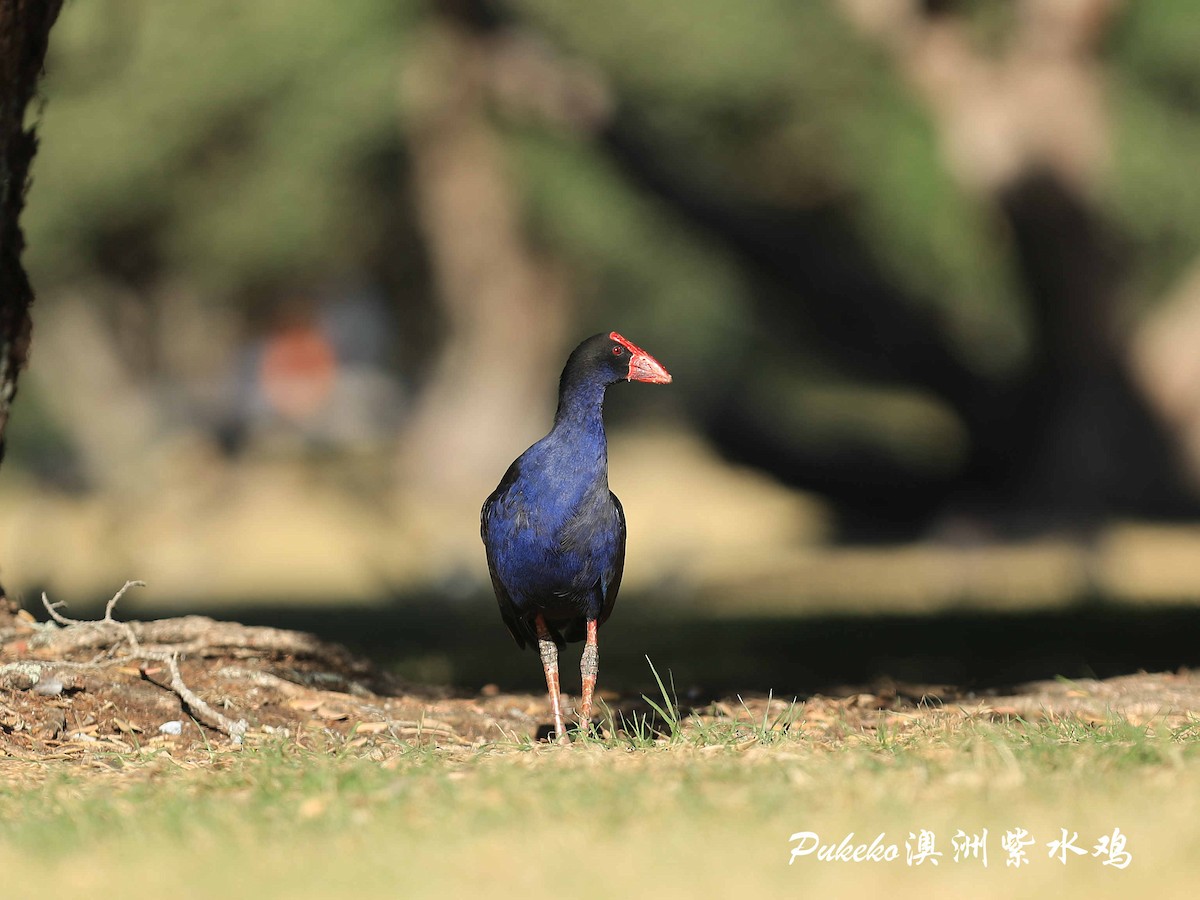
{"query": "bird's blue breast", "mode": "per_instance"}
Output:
(554, 535)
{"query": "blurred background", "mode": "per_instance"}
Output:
(926, 273)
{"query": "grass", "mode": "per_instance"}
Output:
(700, 810)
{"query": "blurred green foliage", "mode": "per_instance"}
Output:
(1155, 78)
(235, 135)
(234, 143)
(36, 443)
(788, 106)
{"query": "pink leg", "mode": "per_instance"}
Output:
(549, 651)
(589, 667)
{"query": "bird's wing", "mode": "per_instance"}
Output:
(612, 577)
(517, 627)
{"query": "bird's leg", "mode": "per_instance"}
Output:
(549, 651)
(589, 668)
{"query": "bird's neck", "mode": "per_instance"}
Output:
(579, 420)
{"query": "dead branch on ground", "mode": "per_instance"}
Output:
(122, 642)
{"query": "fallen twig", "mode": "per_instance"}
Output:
(197, 636)
(201, 710)
(168, 656)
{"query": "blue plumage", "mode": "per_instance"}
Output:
(553, 531)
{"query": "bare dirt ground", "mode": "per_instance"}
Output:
(73, 690)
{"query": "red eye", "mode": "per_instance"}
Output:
(617, 351)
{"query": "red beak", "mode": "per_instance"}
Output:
(642, 366)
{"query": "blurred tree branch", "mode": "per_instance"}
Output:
(502, 304)
(1034, 101)
(24, 32)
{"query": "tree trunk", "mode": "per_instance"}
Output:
(502, 303)
(24, 31)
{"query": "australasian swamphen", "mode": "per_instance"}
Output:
(554, 532)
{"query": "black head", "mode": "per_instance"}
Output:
(609, 358)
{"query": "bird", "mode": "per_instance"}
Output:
(553, 532)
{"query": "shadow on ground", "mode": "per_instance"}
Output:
(463, 644)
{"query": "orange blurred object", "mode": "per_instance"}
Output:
(298, 370)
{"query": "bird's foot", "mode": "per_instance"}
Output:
(560, 731)
(590, 728)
